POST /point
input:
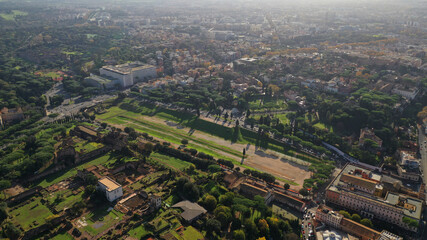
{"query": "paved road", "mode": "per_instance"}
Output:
(68, 109)
(307, 225)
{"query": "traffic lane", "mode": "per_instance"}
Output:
(307, 225)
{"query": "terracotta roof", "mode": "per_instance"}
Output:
(252, 190)
(358, 181)
(288, 199)
(358, 229)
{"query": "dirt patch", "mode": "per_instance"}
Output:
(279, 168)
(15, 190)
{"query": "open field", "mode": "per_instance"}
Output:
(210, 138)
(90, 36)
(283, 118)
(100, 220)
(170, 162)
(271, 104)
(11, 16)
(87, 146)
(30, 215)
(105, 160)
(53, 74)
(189, 233)
(68, 199)
(323, 127)
(138, 232)
(71, 53)
(63, 236)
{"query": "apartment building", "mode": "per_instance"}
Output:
(361, 190)
(338, 221)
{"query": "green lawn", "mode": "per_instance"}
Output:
(170, 162)
(69, 199)
(190, 233)
(121, 116)
(267, 104)
(52, 75)
(138, 232)
(172, 199)
(323, 127)
(166, 133)
(159, 224)
(100, 220)
(63, 236)
(149, 179)
(106, 159)
(11, 16)
(87, 146)
(30, 215)
(136, 185)
(89, 36)
(283, 118)
(128, 112)
(71, 53)
(180, 134)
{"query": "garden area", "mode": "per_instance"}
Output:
(30, 214)
(138, 232)
(87, 146)
(64, 199)
(267, 104)
(107, 160)
(12, 15)
(169, 162)
(100, 219)
(186, 233)
(63, 236)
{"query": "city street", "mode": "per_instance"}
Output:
(70, 106)
(307, 224)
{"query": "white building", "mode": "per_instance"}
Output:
(129, 73)
(407, 93)
(359, 189)
(111, 188)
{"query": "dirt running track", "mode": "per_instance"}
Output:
(265, 161)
